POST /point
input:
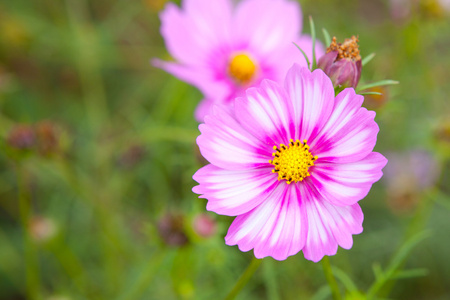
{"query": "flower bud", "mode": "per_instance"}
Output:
(42, 229)
(342, 63)
(204, 225)
(48, 138)
(171, 230)
(131, 157)
(442, 132)
(22, 137)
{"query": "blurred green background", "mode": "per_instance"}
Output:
(98, 151)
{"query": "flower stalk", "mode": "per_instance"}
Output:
(330, 278)
(30, 255)
(245, 277)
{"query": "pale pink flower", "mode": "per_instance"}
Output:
(445, 4)
(223, 49)
(42, 229)
(204, 225)
(407, 176)
(291, 163)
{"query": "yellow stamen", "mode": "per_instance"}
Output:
(292, 162)
(241, 68)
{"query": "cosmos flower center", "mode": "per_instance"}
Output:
(241, 68)
(292, 162)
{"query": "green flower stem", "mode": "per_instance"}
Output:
(418, 223)
(30, 259)
(88, 61)
(270, 278)
(330, 278)
(248, 273)
(72, 266)
(111, 238)
(313, 37)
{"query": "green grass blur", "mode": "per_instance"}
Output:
(108, 152)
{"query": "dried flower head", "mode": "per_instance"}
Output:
(347, 50)
(132, 156)
(171, 229)
(48, 137)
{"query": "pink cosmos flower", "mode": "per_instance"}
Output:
(223, 49)
(291, 163)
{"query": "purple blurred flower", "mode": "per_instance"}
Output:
(223, 49)
(407, 175)
(22, 137)
(401, 9)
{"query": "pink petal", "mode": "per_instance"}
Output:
(346, 184)
(312, 95)
(231, 192)
(225, 144)
(275, 228)
(190, 34)
(203, 108)
(350, 133)
(265, 112)
(266, 24)
(212, 19)
(329, 226)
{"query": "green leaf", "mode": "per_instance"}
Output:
(270, 279)
(313, 36)
(370, 93)
(326, 36)
(322, 294)
(377, 271)
(413, 273)
(345, 280)
(378, 83)
(396, 262)
(442, 200)
(368, 58)
(404, 251)
(304, 55)
(338, 89)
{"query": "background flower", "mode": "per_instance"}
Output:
(290, 195)
(223, 49)
(407, 176)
